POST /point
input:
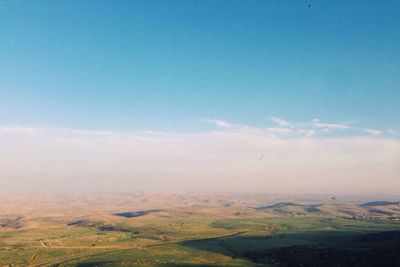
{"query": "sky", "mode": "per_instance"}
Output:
(190, 95)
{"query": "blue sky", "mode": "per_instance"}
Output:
(169, 65)
(189, 95)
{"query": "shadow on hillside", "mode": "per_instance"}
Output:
(117, 263)
(309, 249)
(188, 265)
(94, 263)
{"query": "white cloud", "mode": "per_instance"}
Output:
(224, 125)
(330, 126)
(220, 123)
(284, 128)
(373, 132)
(313, 128)
(18, 130)
(227, 160)
(279, 130)
(310, 133)
(279, 121)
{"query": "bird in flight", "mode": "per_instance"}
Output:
(262, 156)
(309, 5)
(333, 198)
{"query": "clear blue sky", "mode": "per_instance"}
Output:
(163, 65)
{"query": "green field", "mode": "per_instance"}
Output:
(280, 241)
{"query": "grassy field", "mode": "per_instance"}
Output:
(200, 236)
